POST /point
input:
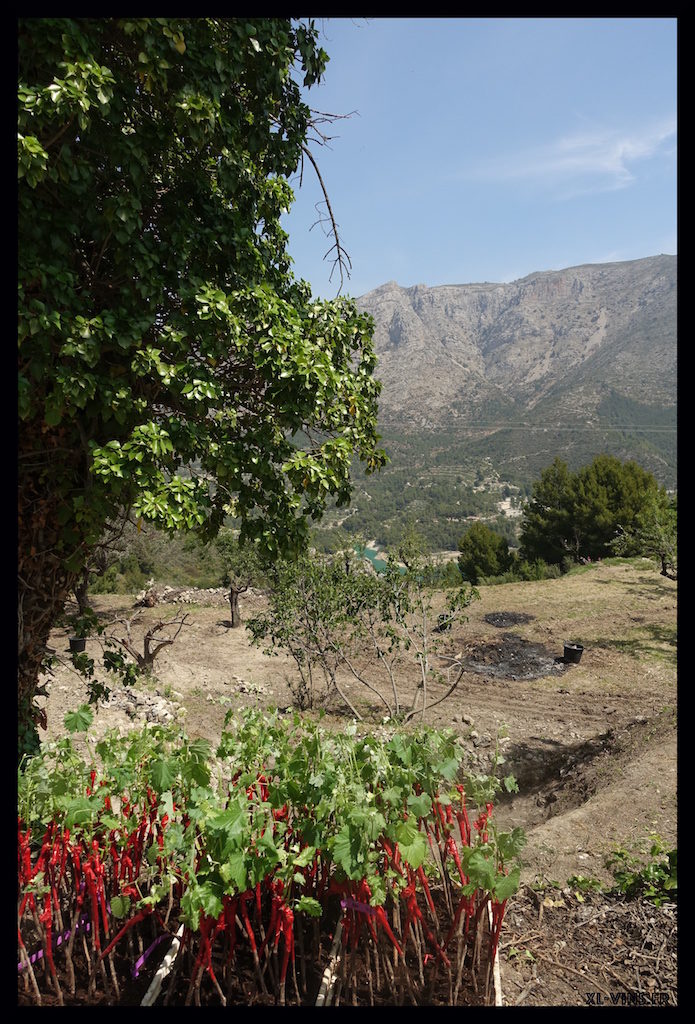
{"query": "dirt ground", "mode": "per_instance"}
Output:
(592, 745)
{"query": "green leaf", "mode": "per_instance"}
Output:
(80, 810)
(308, 905)
(420, 805)
(480, 868)
(120, 905)
(161, 775)
(507, 885)
(348, 851)
(79, 720)
(510, 844)
(412, 843)
(234, 870)
(210, 901)
(166, 805)
(305, 858)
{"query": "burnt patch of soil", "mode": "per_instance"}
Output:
(506, 619)
(513, 657)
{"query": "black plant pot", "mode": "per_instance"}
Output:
(77, 644)
(573, 653)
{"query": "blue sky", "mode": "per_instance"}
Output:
(484, 149)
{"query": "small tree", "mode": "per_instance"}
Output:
(413, 579)
(653, 534)
(330, 614)
(483, 553)
(307, 616)
(154, 640)
(244, 567)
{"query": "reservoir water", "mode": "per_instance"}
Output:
(373, 556)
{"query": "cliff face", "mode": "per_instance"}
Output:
(554, 344)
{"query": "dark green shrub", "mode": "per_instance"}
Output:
(483, 553)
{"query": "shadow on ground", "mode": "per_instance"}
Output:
(659, 642)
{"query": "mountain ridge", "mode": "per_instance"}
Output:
(547, 364)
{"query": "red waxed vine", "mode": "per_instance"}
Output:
(416, 924)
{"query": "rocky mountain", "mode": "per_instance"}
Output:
(587, 354)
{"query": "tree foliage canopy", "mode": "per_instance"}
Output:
(483, 553)
(169, 362)
(160, 325)
(580, 514)
(653, 534)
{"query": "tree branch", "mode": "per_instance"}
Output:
(434, 703)
(58, 134)
(341, 258)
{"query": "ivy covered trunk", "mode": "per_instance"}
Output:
(81, 590)
(44, 579)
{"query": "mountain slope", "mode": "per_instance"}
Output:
(549, 363)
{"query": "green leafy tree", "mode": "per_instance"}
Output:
(169, 362)
(579, 514)
(604, 495)
(483, 553)
(654, 533)
(546, 524)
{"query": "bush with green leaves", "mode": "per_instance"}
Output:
(484, 552)
(653, 534)
(646, 870)
(246, 847)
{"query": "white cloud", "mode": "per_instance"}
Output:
(598, 161)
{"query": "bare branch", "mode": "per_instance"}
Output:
(341, 260)
(146, 659)
(434, 703)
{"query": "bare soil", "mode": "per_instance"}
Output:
(592, 745)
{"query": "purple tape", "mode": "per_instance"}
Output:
(138, 963)
(349, 904)
(58, 940)
(85, 921)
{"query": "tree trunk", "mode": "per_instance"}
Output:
(667, 568)
(43, 587)
(43, 581)
(234, 605)
(80, 590)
